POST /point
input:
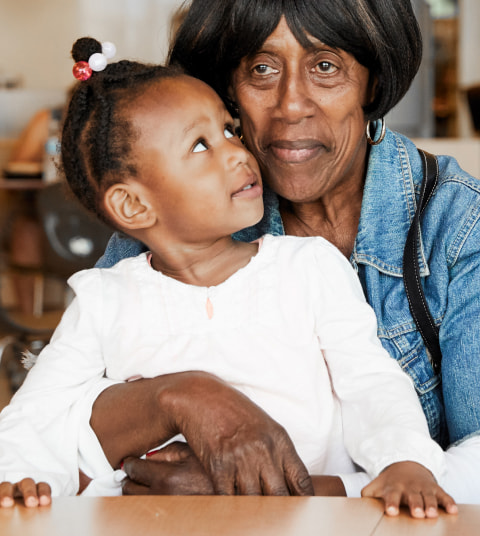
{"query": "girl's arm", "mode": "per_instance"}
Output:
(461, 479)
(385, 430)
(39, 428)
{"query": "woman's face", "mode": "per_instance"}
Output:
(301, 115)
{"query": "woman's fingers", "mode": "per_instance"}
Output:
(297, 477)
(185, 476)
(262, 464)
(129, 487)
(241, 448)
(140, 471)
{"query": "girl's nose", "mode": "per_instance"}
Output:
(237, 152)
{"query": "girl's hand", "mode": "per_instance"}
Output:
(412, 485)
(33, 494)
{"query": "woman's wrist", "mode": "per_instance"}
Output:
(174, 396)
(326, 485)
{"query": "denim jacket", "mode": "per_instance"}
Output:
(449, 259)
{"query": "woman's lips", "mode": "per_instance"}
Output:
(295, 152)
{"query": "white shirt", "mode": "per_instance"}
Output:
(291, 330)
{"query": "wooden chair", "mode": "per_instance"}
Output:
(73, 240)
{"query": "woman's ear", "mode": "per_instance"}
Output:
(232, 101)
(372, 89)
(126, 208)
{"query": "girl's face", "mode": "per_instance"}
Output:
(200, 180)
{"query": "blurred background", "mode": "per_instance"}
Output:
(35, 66)
(440, 112)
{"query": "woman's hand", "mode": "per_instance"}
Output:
(242, 449)
(175, 470)
(33, 494)
(172, 470)
(412, 485)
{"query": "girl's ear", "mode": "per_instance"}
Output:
(126, 208)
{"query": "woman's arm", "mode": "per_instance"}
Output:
(241, 449)
(175, 470)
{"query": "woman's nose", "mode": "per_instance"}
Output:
(293, 100)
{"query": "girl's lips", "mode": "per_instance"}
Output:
(249, 192)
(295, 152)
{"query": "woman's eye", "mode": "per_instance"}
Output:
(229, 133)
(326, 67)
(263, 69)
(199, 147)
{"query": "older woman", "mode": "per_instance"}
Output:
(310, 82)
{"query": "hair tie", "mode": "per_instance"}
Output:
(82, 70)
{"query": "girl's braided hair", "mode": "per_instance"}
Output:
(97, 137)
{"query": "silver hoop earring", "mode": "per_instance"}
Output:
(370, 140)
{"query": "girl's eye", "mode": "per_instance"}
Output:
(229, 133)
(199, 147)
(326, 67)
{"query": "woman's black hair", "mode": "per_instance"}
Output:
(382, 35)
(97, 135)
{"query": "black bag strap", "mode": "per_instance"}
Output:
(411, 271)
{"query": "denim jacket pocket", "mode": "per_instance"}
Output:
(407, 347)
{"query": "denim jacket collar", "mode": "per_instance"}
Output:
(383, 226)
(389, 205)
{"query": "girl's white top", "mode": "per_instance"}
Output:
(291, 330)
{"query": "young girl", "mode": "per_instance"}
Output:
(153, 152)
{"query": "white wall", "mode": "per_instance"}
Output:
(468, 60)
(36, 35)
(469, 43)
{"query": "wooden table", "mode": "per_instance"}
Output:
(227, 516)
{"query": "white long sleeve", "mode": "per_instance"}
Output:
(39, 429)
(461, 479)
(383, 421)
(291, 330)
